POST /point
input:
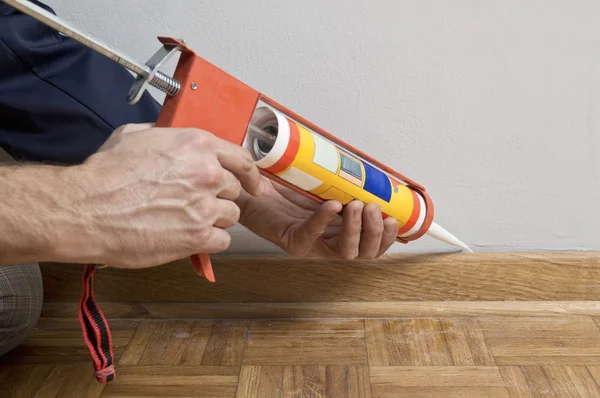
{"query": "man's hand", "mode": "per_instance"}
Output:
(147, 197)
(304, 228)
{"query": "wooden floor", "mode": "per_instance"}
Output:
(557, 356)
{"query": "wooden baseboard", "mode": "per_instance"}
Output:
(331, 310)
(411, 278)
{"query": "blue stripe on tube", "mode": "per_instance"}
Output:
(377, 183)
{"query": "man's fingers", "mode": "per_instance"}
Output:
(312, 229)
(238, 160)
(226, 213)
(230, 187)
(372, 222)
(218, 241)
(349, 241)
(390, 234)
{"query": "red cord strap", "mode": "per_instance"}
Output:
(94, 326)
(96, 332)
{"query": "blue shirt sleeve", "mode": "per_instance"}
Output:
(59, 100)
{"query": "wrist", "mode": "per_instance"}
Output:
(76, 239)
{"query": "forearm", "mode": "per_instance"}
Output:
(36, 221)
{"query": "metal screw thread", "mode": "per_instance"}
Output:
(165, 84)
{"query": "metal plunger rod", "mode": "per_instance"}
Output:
(263, 135)
(58, 24)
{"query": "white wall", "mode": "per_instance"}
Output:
(494, 106)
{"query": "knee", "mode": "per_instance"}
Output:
(21, 297)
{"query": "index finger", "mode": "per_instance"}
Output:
(238, 160)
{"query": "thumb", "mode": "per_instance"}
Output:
(307, 233)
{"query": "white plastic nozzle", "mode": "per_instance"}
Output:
(436, 231)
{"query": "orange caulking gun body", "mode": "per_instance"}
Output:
(212, 100)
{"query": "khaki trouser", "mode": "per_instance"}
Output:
(21, 297)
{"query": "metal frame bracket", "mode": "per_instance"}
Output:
(155, 78)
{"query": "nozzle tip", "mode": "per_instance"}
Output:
(438, 232)
(463, 246)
